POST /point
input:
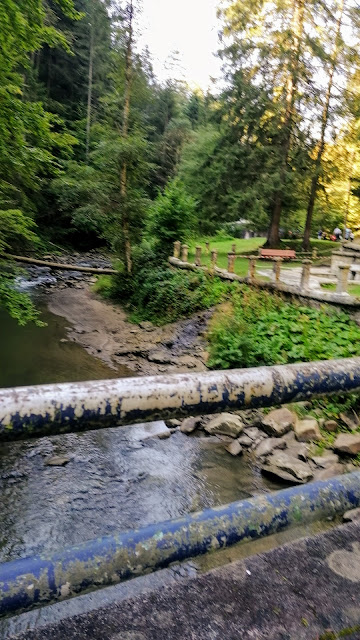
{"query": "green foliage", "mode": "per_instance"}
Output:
(262, 329)
(161, 294)
(18, 304)
(172, 216)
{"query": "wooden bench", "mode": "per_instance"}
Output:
(287, 254)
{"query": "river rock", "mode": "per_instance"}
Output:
(307, 430)
(329, 472)
(253, 433)
(330, 425)
(225, 424)
(325, 461)
(348, 443)
(268, 445)
(173, 422)
(160, 357)
(245, 441)
(352, 515)
(288, 468)
(350, 421)
(190, 424)
(57, 461)
(279, 422)
(234, 448)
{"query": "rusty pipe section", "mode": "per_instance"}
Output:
(60, 408)
(106, 561)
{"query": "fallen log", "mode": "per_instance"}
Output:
(59, 265)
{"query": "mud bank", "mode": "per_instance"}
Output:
(104, 331)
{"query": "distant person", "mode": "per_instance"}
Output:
(337, 234)
(352, 237)
(347, 233)
(320, 234)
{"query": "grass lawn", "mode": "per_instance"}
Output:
(353, 289)
(223, 245)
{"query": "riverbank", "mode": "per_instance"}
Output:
(105, 332)
(103, 329)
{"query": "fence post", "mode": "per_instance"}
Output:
(314, 253)
(214, 254)
(233, 248)
(277, 269)
(177, 247)
(207, 248)
(198, 256)
(231, 262)
(343, 275)
(185, 252)
(305, 275)
(252, 268)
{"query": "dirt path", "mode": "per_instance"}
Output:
(103, 330)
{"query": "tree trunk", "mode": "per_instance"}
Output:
(125, 130)
(324, 122)
(90, 85)
(273, 239)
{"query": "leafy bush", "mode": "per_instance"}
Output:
(161, 294)
(262, 329)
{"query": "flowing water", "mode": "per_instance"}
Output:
(116, 479)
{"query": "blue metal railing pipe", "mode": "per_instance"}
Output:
(105, 561)
(59, 408)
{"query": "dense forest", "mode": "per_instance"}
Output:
(94, 150)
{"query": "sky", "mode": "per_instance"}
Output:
(189, 26)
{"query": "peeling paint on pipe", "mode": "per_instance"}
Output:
(105, 561)
(61, 408)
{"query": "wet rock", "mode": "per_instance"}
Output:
(226, 424)
(234, 448)
(57, 461)
(172, 423)
(278, 422)
(347, 443)
(307, 430)
(190, 424)
(352, 515)
(288, 468)
(325, 461)
(164, 435)
(330, 425)
(268, 445)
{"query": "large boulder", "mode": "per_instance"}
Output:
(225, 424)
(288, 468)
(307, 430)
(279, 422)
(348, 443)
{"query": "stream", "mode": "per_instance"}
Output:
(115, 479)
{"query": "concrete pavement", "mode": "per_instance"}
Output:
(305, 590)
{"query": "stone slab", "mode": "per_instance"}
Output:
(299, 591)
